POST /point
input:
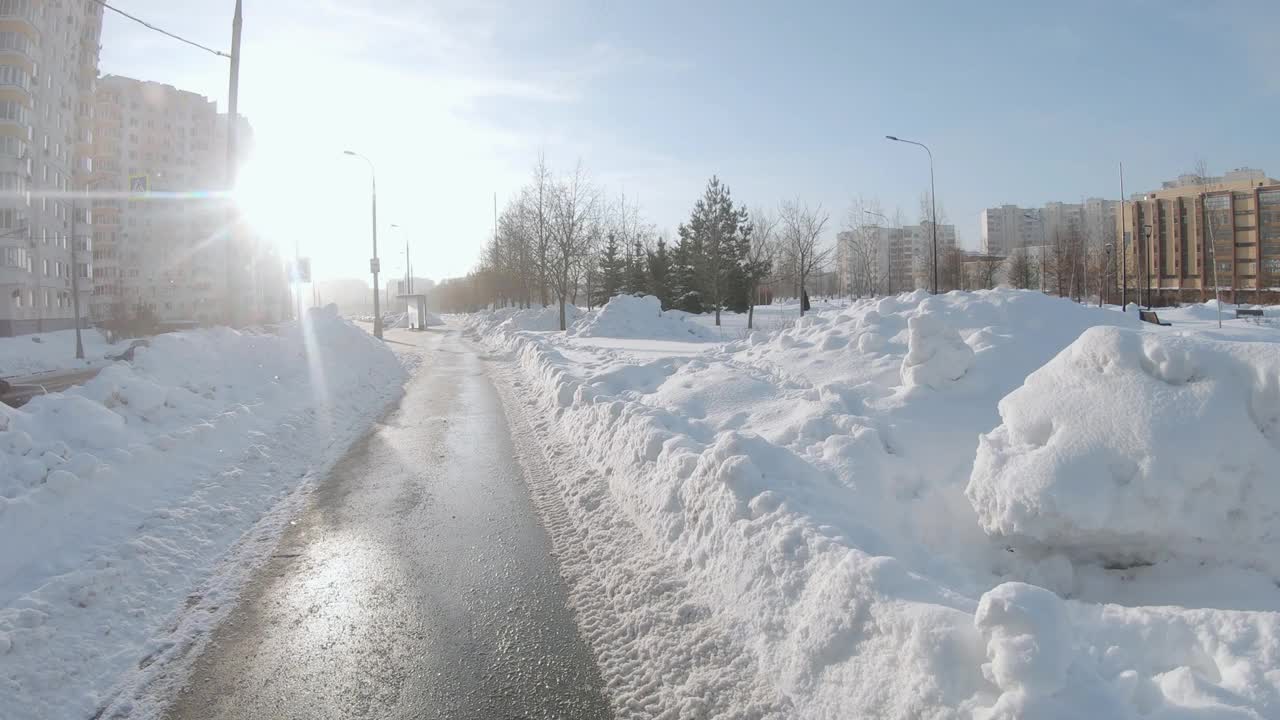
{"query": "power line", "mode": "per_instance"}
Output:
(162, 31)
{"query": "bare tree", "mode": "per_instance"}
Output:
(538, 204)
(951, 268)
(988, 271)
(1207, 237)
(802, 227)
(924, 258)
(1023, 273)
(759, 260)
(574, 213)
(863, 222)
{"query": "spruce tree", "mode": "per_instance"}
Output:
(685, 292)
(637, 280)
(659, 262)
(612, 270)
(711, 241)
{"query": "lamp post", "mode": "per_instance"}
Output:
(1106, 273)
(373, 262)
(933, 205)
(408, 266)
(1146, 255)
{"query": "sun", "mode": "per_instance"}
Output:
(287, 201)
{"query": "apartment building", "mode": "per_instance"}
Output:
(1195, 236)
(919, 243)
(867, 257)
(1099, 222)
(1009, 228)
(48, 68)
(166, 245)
(898, 256)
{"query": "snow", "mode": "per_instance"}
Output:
(1070, 468)
(808, 482)
(46, 352)
(628, 316)
(120, 498)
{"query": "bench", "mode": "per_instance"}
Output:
(1149, 316)
(1248, 312)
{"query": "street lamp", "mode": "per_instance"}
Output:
(408, 266)
(373, 262)
(933, 205)
(1146, 261)
(889, 278)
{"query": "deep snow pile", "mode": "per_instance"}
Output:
(119, 497)
(1198, 476)
(811, 483)
(536, 319)
(43, 352)
(628, 316)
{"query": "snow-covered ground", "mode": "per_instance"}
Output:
(120, 498)
(43, 352)
(989, 504)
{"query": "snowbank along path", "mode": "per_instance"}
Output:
(120, 498)
(822, 510)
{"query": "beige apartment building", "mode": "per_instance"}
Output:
(165, 245)
(48, 69)
(1196, 235)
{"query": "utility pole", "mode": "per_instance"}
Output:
(1124, 249)
(233, 95)
(374, 264)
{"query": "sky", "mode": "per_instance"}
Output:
(1020, 101)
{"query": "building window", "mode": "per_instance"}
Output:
(15, 257)
(14, 111)
(17, 41)
(13, 182)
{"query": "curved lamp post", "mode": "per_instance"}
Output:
(373, 262)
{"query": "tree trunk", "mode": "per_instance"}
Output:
(751, 309)
(562, 325)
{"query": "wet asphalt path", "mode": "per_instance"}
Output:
(418, 583)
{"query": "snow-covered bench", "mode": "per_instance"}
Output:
(1150, 316)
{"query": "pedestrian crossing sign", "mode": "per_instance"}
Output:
(138, 184)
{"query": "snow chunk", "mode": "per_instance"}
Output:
(1028, 639)
(1134, 445)
(936, 355)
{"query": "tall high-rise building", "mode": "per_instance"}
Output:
(48, 70)
(166, 245)
(1009, 227)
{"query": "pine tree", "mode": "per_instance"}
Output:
(738, 282)
(637, 280)
(659, 262)
(612, 270)
(711, 240)
(685, 292)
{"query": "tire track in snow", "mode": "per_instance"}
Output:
(664, 652)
